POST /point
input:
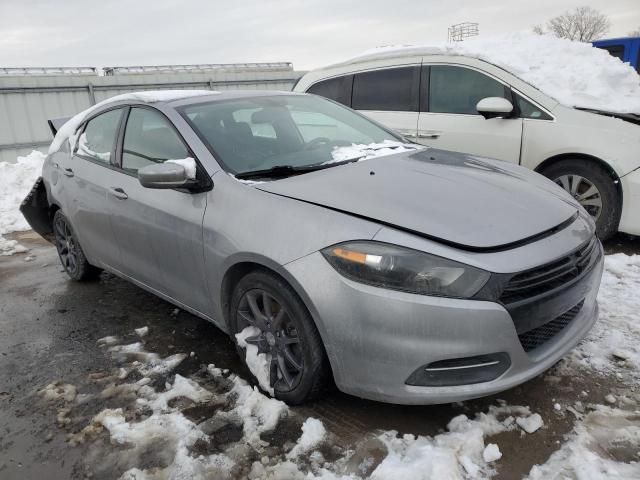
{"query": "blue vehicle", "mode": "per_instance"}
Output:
(626, 49)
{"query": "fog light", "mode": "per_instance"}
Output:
(461, 371)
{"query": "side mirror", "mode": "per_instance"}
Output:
(494, 107)
(163, 175)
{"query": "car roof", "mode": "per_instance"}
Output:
(217, 96)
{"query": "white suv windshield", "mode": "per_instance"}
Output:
(258, 133)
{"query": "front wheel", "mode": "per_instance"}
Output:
(277, 338)
(69, 251)
(593, 188)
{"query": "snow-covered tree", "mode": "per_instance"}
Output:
(634, 33)
(583, 24)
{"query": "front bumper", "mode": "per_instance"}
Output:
(630, 218)
(376, 338)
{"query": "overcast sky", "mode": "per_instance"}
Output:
(309, 33)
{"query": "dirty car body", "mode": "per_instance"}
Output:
(430, 276)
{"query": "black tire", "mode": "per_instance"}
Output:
(296, 326)
(608, 217)
(69, 251)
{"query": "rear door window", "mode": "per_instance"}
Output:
(391, 89)
(98, 139)
(455, 89)
(150, 138)
(338, 89)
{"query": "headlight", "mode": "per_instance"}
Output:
(398, 268)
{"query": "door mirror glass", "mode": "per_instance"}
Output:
(163, 175)
(494, 107)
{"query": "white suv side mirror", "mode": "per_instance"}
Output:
(494, 107)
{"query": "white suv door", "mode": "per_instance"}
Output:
(449, 120)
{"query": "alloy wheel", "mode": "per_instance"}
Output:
(584, 191)
(278, 337)
(67, 246)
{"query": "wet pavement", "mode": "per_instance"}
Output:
(49, 329)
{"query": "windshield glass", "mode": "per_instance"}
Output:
(258, 133)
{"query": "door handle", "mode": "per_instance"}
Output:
(118, 193)
(408, 133)
(429, 134)
(68, 172)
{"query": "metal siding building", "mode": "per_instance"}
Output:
(29, 97)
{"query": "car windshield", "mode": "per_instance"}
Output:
(290, 131)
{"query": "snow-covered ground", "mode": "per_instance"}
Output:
(146, 414)
(574, 73)
(149, 405)
(16, 179)
(613, 345)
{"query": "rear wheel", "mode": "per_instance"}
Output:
(593, 187)
(69, 251)
(282, 329)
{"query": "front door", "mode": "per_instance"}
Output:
(449, 119)
(159, 231)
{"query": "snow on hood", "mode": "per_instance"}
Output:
(68, 129)
(372, 150)
(575, 74)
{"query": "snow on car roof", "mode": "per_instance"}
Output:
(573, 73)
(67, 131)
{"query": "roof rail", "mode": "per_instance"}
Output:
(33, 71)
(197, 68)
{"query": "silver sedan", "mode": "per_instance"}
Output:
(330, 248)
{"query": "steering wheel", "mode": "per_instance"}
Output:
(317, 142)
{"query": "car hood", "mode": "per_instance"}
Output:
(463, 200)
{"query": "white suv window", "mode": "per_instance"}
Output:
(458, 90)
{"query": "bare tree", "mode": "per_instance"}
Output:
(538, 30)
(583, 24)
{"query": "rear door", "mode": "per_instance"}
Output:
(159, 231)
(87, 176)
(449, 119)
(389, 95)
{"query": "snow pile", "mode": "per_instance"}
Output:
(530, 424)
(604, 445)
(67, 131)
(189, 165)
(574, 73)
(313, 434)
(372, 150)
(258, 413)
(614, 342)
(16, 179)
(457, 454)
(147, 363)
(258, 363)
(491, 453)
(142, 331)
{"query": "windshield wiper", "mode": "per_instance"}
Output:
(283, 171)
(279, 171)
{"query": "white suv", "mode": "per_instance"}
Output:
(466, 104)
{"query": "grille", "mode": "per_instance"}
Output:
(540, 335)
(550, 276)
